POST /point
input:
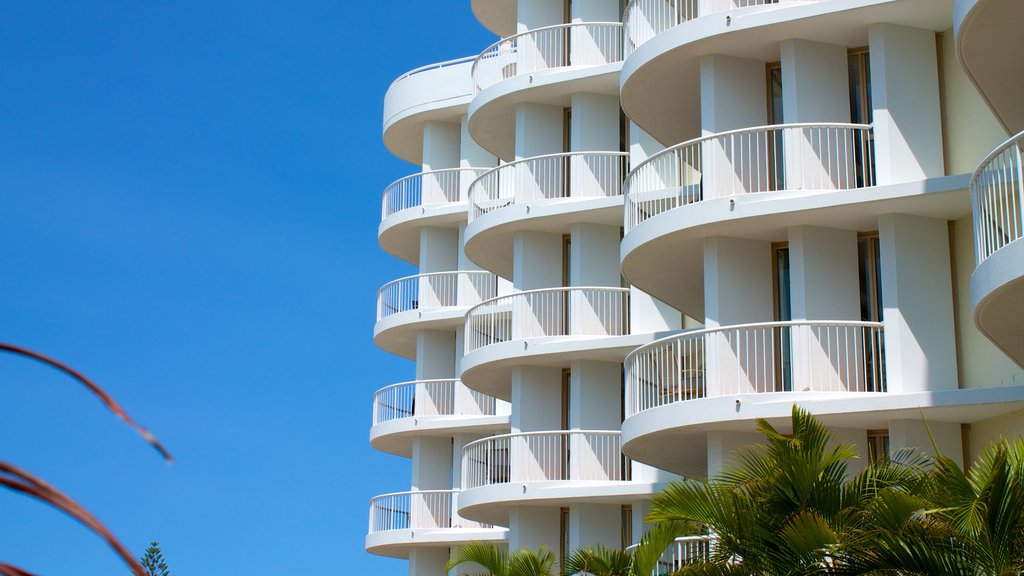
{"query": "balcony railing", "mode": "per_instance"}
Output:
(417, 510)
(569, 175)
(784, 157)
(569, 311)
(645, 19)
(446, 186)
(577, 455)
(797, 356)
(430, 398)
(435, 290)
(997, 191)
(685, 550)
(564, 45)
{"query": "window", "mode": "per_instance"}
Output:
(870, 264)
(626, 527)
(783, 313)
(859, 65)
(776, 159)
(563, 541)
(878, 445)
(774, 85)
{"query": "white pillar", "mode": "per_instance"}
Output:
(440, 145)
(815, 82)
(595, 122)
(427, 561)
(593, 524)
(595, 395)
(905, 98)
(537, 260)
(532, 14)
(596, 11)
(533, 527)
(737, 281)
(722, 447)
(594, 256)
(472, 155)
(920, 352)
(435, 354)
(824, 279)
(916, 434)
(431, 463)
(439, 249)
(539, 129)
(732, 93)
(536, 399)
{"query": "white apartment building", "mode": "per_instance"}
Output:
(641, 226)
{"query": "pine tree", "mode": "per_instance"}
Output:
(153, 561)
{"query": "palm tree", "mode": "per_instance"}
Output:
(789, 508)
(642, 561)
(497, 562)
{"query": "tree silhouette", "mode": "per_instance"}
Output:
(153, 561)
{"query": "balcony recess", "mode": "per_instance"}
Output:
(764, 358)
(778, 158)
(562, 46)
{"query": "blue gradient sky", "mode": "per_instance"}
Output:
(189, 199)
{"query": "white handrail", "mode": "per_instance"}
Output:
(684, 550)
(765, 357)
(997, 195)
(436, 66)
(576, 455)
(417, 510)
(565, 175)
(444, 397)
(576, 44)
(446, 186)
(783, 157)
(563, 311)
(435, 290)
(642, 20)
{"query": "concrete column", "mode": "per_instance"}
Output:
(824, 280)
(533, 14)
(732, 96)
(439, 249)
(440, 145)
(472, 155)
(537, 260)
(435, 354)
(737, 281)
(596, 11)
(595, 395)
(593, 524)
(539, 129)
(536, 399)
(427, 561)
(533, 527)
(920, 351)
(722, 447)
(595, 122)
(815, 82)
(905, 98)
(640, 510)
(594, 256)
(915, 434)
(431, 463)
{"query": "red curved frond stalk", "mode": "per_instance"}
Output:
(107, 400)
(8, 570)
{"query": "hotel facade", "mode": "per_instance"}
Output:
(641, 226)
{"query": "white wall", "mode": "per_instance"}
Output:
(905, 97)
(431, 463)
(593, 524)
(824, 275)
(536, 399)
(530, 527)
(427, 561)
(732, 93)
(815, 82)
(920, 353)
(538, 129)
(435, 354)
(594, 125)
(440, 145)
(737, 281)
(918, 434)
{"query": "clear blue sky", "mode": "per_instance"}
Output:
(189, 199)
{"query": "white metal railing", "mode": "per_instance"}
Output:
(418, 510)
(446, 186)
(642, 20)
(435, 290)
(567, 175)
(685, 550)
(578, 44)
(783, 157)
(430, 398)
(436, 66)
(798, 356)
(577, 455)
(997, 193)
(567, 311)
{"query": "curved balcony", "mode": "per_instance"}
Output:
(545, 468)
(806, 158)
(550, 326)
(551, 47)
(405, 411)
(439, 91)
(549, 193)
(987, 40)
(427, 518)
(685, 550)
(642, 20)
(427, 301)
(431, 198)
(704, 379)
(997, 285)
